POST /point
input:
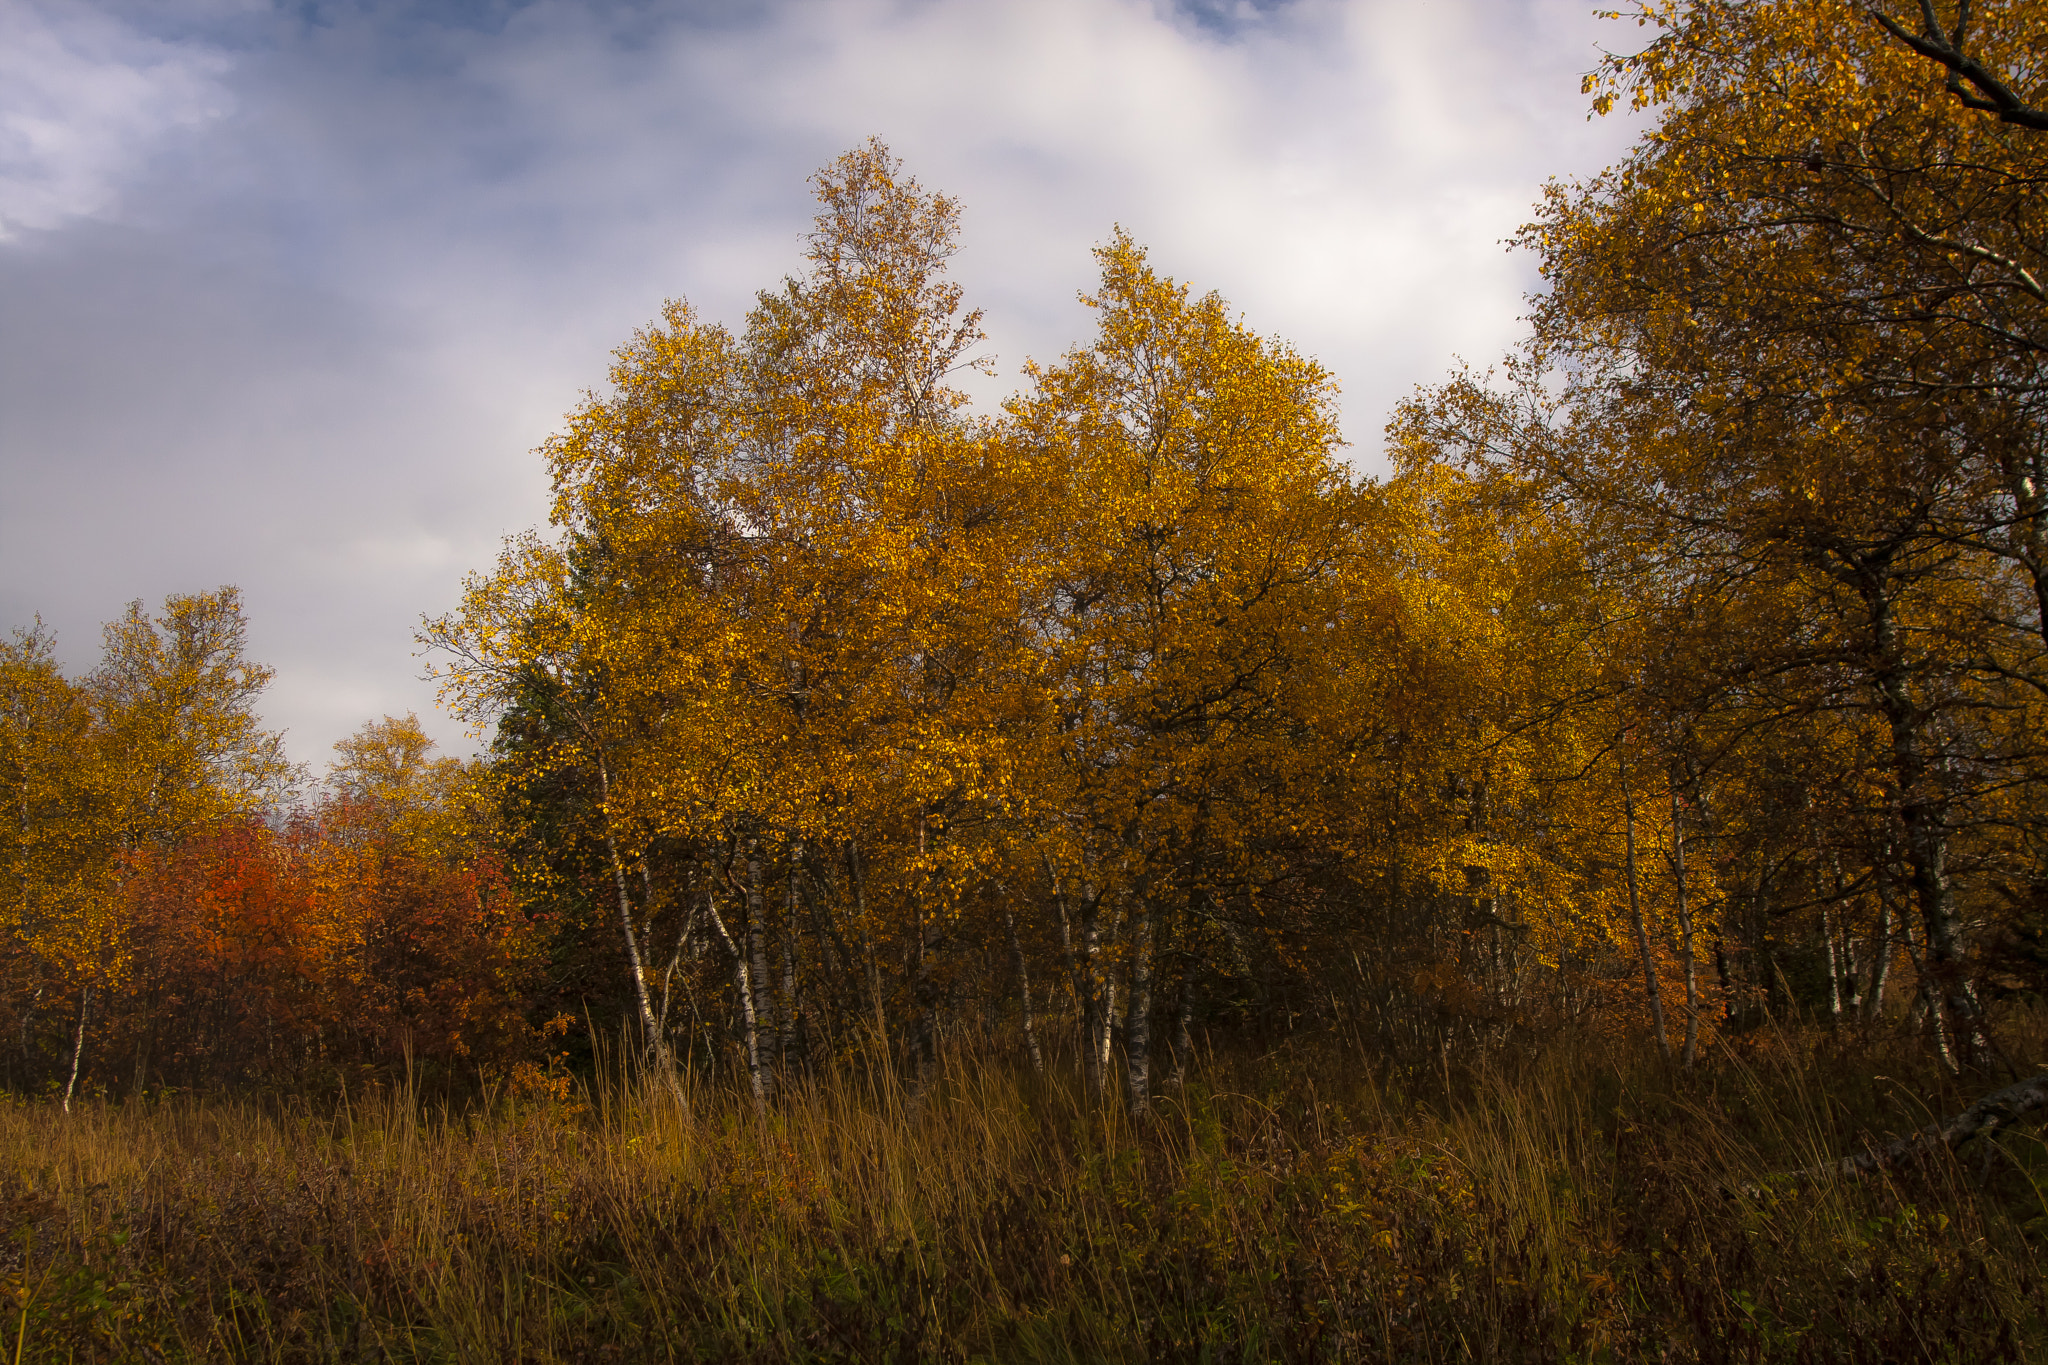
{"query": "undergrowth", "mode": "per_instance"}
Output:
(1291, 1207)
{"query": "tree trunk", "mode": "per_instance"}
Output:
(1183, 1025)
(1922, 814)
(793, 1045)
(1683, 904)
(757, 963)
(2026, 479)
(1635, 914)
(838, 971)
(867, 943)
(650, 1027)
(1106, 1036)
(925, 1039)
(28, 1017)
(1880, 956)
(1724, 970)
(1929, 1004)
(1138, 1031)
(1840, 947)
(1093, 1010)
(77, 1046)
(1024, 991)
(743, 987)
(1075, 981)
(1827, 937)
(675, 962)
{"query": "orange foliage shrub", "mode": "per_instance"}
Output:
(265, 953)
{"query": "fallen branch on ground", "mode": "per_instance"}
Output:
(1983, 1118)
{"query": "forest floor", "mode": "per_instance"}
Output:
(1297, 1205)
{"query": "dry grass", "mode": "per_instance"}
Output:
(1283, 1208)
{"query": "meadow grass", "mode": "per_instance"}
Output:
(1581, 1204)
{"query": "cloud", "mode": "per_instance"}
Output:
(291, 302)
(84, 100)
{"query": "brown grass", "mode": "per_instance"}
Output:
(1296, 1206)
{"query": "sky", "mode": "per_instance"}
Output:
(290, 291)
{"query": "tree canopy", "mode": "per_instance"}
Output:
(1686, 671)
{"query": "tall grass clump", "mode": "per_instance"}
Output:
(1580, 1205)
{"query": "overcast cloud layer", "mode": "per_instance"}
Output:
(289, 293)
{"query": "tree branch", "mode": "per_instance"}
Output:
(1986, 1116)
(1993, 95)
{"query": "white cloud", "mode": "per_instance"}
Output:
(1344, 171)
(84, 99)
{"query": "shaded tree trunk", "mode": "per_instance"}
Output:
(793, 1042)
(1183, 1026)
(858, 883)
(1024, 991)
(770, 1040)
(1923, 817)
(925, 1040)
(1138, 1031)
(1075, 979)
(1651, 986)
(1682, 903)
(743, 989)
